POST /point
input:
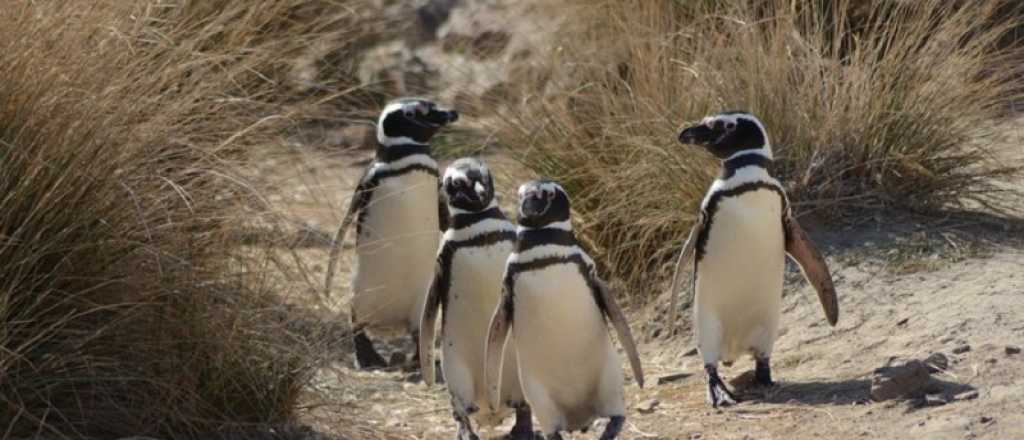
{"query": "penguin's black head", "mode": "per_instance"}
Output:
(468, 185)
(412, 121)
(726, 134)
(542, 203)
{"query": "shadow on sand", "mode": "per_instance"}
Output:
(845, 392)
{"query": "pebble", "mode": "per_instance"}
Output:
(966, 395)
(669, 378)
(961, 349)
(937, 362)
(905, 380)
(648, 406)
(1012, 350)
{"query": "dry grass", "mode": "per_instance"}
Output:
(898, 112)
(125, 307)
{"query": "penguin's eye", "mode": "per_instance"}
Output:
(548, 194)
(730, 125)
(407, 112)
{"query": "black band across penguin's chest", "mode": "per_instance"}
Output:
(711, 208)
(447, 256)
(465, 220)
(729, 167)
(398, 152)
(392, 155)
(531, 238)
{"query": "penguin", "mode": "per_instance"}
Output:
(554, 307)
(399, 217)
(744, 231)
(467, 287)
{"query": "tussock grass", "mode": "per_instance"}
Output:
(897, 108)
(125, 306)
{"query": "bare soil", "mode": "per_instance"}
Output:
(908, 288)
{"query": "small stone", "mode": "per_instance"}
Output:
(991, 360)
(648, 406)
(937, 362)
(908, 380)
(986, 419)
(961, 349)
(935, 400)
(669, 378)
(902, 322)
(1012, 350)
(966, 395)
(692, 352)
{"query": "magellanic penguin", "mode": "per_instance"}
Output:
(399, 217)
(745, 229)
(467, 288)
(555, 306)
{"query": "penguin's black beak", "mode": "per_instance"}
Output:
(534, 204)
(469, 194)
(697, 135)
(441, 117)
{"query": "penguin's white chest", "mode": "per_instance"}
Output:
(396, 249)
(568, 368)
(474, 292)
(739, 278)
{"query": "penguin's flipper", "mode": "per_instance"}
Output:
(427, 324)
(497, 336)
(443, 213)
(614, 313)
(360, 199)
(802, 250)
(684, 255)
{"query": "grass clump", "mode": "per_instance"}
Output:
(898, 111)
(125, 307)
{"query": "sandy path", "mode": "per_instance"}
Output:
(938, 298)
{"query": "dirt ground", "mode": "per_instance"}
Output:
(908, 288)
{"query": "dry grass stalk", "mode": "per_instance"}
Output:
(126, 308)
(899, 112)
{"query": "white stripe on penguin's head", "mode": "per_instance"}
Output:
(411, 121)
(730, 134)
(543, 203)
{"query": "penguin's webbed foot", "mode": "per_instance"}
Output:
(367, 357)
(763, 372)
(611, 431)
(718, 394)
(523, 429)
(465, 431)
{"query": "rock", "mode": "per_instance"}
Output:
(1011, 350)
(902, 322)
(961, 349)
(935, 400)
(692, 352)
(648, 406)
(966, 395)
(908, 380)
(986, 419)
(937, 362)
(669, 378)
